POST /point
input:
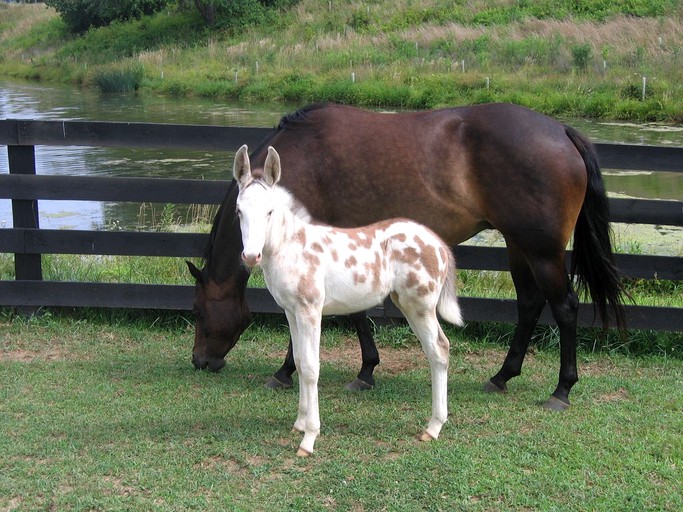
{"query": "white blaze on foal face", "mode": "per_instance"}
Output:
(255, 202)
(255, 210)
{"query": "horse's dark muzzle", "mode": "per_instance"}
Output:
(211, 364)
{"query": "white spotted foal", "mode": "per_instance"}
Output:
(314, 270)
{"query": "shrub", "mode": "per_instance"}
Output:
(119, 78)
(581, 56)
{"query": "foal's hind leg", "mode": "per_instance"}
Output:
(436, 347)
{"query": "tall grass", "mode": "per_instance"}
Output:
(125, 78)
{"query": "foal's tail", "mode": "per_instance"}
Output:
(592, 260)
(448, 302)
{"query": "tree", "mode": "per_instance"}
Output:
(237, 12)
(80, 15)
(207, 8)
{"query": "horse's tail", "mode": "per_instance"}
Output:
(592, 262)
(448, 306)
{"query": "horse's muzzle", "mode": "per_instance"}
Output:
(211, 364)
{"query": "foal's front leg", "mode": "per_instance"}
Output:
(306, 346)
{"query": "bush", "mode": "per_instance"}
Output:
(581, 56)
(80, 15)
(119, 78)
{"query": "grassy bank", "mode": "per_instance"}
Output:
(583, 59)
(106, 416)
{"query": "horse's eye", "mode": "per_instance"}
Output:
(270, 213)
(238, 212)
(197, 312)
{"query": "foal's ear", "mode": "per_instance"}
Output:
(242, 168)
(271, 169)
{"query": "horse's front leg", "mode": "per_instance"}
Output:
(306, 349)
(365, 379)
(282, 379)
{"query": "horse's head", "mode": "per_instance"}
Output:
(221, 316)
(255, 202)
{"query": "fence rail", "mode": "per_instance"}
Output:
(28, 242)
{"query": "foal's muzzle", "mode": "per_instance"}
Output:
(251, 260)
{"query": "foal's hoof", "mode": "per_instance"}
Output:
(555, 404)
(303, 453)
(426, 437)
(490, 387)
(358, 385)
(273, 383)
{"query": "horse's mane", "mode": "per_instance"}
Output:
(287, 121)
(292, 119)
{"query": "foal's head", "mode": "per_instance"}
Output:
(255, 202)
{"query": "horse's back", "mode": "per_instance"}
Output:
(456, 170)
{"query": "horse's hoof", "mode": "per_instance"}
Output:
(273, 383)
(358, 385)
(426, 437)
(303, 453)
(555, 404)
(490, 387)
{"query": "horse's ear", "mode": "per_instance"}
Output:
(242, 168)
(271, 169)
(196, 273)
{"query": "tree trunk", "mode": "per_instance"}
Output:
(207, 8)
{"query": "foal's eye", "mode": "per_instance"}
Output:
(270, 213)
(238, 212)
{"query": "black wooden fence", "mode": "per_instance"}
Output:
(28, 242)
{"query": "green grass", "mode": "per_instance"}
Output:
(108, 414)
(569, 58)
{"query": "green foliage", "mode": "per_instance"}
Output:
(238, 13)
(80, 15)
(581, 56)
(121, 40)
(117, 78)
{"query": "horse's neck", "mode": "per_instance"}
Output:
(223, 259)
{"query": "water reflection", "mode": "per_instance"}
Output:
(20, 100)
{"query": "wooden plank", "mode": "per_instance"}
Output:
(97, 188)
(130, 135)
(176, 297)
(22, 163)
(129, 243)
(187, 191)
(135, 243)
(640, 157)
(646, 211)
(98, 295)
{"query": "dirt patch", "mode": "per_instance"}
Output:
(29, 356)
(619, 395)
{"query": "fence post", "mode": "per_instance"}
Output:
(22, 160)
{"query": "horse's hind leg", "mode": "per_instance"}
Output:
(370, 356)
(530, 302)
(553, 282)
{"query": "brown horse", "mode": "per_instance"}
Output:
(458, 171)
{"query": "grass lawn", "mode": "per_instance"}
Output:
(110, 415)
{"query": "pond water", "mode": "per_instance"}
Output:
(23, 100)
